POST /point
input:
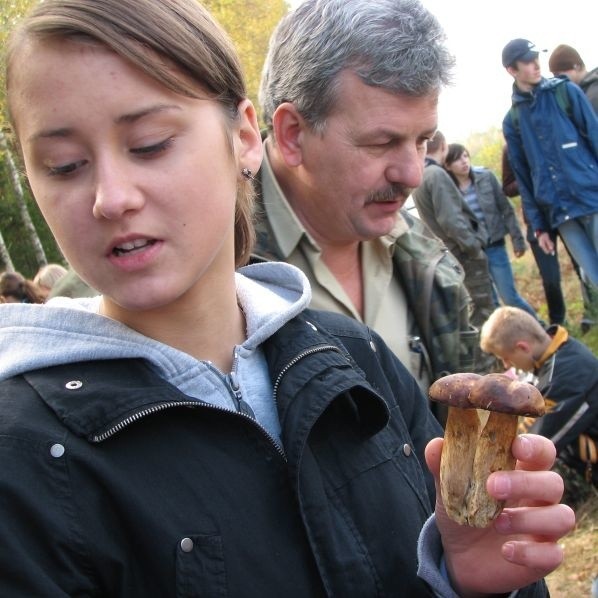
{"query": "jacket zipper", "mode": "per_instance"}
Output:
(234, 387)
(121, 425)
(298, 358)
(244, 409)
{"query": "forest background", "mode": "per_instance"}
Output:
(26, 242)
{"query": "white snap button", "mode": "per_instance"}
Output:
(186, 544)
(373, 346)
(406, 450)
(312, 326)
(74, 384)
(57, 450)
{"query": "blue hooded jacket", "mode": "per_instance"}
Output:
(554, 154)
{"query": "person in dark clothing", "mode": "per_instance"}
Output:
(194, 430)
(566, 373)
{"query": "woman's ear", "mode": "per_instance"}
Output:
(249, 143)
(288, 126)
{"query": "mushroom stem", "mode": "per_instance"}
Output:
(493, 454)
(456, 465)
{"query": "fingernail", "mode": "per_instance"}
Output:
(508, 551)
(526, 447)
(501, 485)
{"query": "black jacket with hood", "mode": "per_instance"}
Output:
(114, 483)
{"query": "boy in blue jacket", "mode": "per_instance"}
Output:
(552, 137)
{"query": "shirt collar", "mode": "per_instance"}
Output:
(287, 228)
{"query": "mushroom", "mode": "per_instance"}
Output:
(471, 452)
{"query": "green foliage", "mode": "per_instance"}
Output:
(485, 150)
(249, 24)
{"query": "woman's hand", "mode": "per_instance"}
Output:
(521, 545)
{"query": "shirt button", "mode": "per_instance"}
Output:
(406, 450)
(186, 544)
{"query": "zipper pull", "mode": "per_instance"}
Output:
(240, 403)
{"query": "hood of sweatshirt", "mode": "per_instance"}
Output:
(68, 330)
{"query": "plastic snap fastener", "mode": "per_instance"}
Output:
(74, 384)
(406, 450)
(373, 346)
(57, 450)
(186, 544)
(312, 326)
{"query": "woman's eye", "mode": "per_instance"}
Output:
(65, 169)
(150, 150)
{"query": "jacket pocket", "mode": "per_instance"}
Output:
(200, 571)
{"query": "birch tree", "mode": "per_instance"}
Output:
(40, 254)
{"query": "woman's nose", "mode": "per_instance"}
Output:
(115, 193)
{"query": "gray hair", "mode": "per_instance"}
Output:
(393, 44)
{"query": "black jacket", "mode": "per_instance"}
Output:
(114, 483)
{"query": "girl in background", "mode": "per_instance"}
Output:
(483, 193)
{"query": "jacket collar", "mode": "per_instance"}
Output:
(559, 337)
(309, 370)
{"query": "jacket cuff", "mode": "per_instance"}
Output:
(432, 570)
(430, 559)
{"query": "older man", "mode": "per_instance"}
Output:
(349, 95)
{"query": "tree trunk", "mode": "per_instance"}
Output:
(5, 256)
(40, 254)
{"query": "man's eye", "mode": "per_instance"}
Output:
(65, 169)
(156, 148)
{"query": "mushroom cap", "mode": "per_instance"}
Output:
(498, 392)
(454, 389)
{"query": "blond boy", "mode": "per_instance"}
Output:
(567, 376)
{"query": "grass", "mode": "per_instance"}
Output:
(573, 579)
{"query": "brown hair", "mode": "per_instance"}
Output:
(156, 36)
(435, 143)
(15, 288)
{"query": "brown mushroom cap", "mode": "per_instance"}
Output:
(497, 392)
(454, 389)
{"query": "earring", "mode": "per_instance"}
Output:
(247, 173)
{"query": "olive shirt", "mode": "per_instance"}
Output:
(385, 303)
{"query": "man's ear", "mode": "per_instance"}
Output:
(511, 70)
(249, 141)
(288, 128)
(523, 346)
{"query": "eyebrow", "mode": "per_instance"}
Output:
(123, 119)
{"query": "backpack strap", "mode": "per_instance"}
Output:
(562, 99)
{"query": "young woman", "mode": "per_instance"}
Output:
(195, 431)
(483, 193)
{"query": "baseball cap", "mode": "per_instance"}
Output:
(519, 49)
(564, 58)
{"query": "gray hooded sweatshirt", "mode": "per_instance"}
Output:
(68, 330)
